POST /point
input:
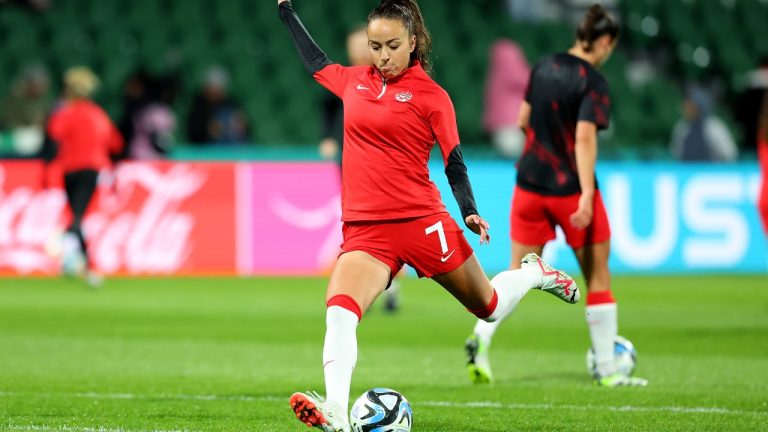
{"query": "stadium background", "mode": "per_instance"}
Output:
(665, 46)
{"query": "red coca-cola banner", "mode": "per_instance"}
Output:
(146, 218)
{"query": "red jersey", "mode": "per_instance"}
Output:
(390, 127)
(762, 154)
(85, 136)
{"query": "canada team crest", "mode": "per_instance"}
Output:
(404, 96)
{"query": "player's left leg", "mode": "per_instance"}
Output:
(478, 344)
(602, 314)
(470, 286)
(601, 311)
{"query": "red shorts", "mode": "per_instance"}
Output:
(534, 217)
(431, 244)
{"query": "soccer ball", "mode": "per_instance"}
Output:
(624, 353)
(381, 410)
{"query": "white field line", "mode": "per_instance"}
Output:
(480, 404)
(39, 428)
(587, 407)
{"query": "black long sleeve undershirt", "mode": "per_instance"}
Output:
(312, 56)
(456, 172)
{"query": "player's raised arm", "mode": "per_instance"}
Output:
(312, 56)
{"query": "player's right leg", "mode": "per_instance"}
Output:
(357, 279)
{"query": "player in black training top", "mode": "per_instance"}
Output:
(566, 103)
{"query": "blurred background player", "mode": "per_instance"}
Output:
(565, 105)
(86, 138)
(24, 110)
(331, 147)
(358, 54)
(505, 86)
(702, 136)
(762, 151)
(215, 116)
(392, 213)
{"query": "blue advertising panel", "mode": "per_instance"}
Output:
(665, 217)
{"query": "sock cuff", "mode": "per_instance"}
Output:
(346, 302)
(487, 311)
(600, 297)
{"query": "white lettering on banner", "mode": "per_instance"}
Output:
(753, 189)
(727, 225)
(28, 219)
(156, 238)
(328, 215)
(651, 251)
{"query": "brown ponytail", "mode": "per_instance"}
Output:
(409, 14)
(596, 23)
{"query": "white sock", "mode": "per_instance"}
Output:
(339, 354)
(603, 328)
(511, 286)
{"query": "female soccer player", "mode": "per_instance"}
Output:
(762, 152)
(566, 103)
(85, 137)
(393, 215)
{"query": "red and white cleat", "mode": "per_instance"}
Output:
(553, 281)
(314, 411)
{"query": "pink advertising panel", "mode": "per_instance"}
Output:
(295, 210)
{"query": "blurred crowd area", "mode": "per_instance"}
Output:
(686, 80)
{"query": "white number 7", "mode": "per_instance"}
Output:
(440, 232)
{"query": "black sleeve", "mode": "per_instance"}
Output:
(312, 56)
(331, 106)
(456, 172)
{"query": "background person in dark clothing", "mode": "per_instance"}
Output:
(332, 109)
(215, 117)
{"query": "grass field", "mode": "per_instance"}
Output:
(225, 354)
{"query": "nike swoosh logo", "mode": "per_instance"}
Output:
(362, 87)
(445, 258)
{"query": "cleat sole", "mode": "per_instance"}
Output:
(306, 411)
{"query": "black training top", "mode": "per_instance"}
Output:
(562, 90)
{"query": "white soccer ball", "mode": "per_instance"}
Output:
(381, 410)
(625, 357)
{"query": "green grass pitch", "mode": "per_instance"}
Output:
(184, 354)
